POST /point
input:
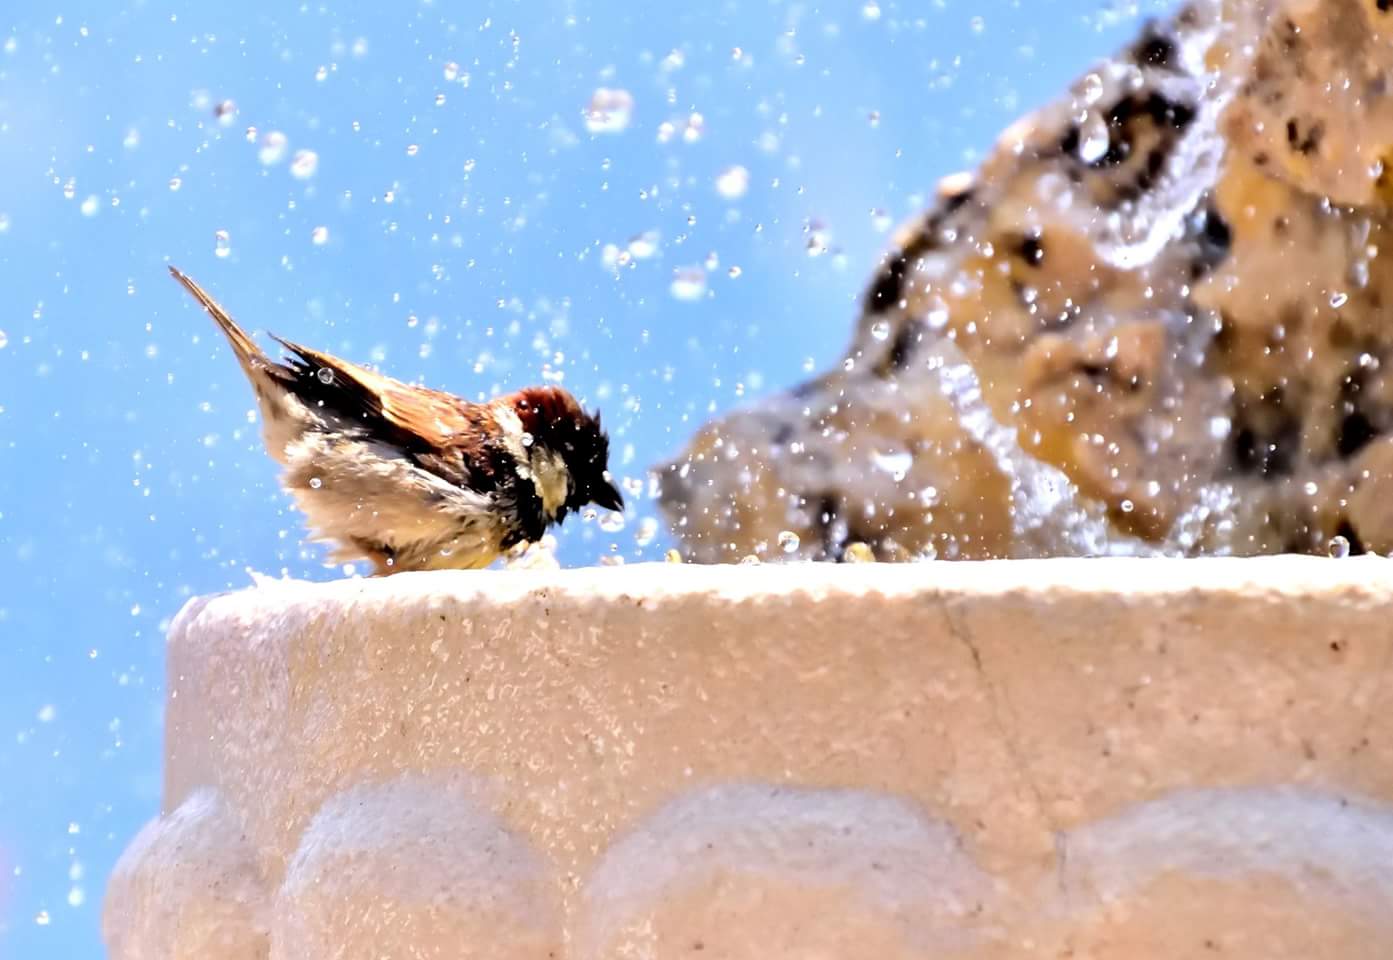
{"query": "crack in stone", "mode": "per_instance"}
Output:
(1002, 711)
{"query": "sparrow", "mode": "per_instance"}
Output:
(409, 478)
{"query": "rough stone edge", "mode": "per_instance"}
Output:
(1368, 579)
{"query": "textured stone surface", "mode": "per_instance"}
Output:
(1086, 758)
(189, 886)
(1154, 320)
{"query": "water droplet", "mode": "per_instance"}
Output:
(647, 531)
(174, 184)
(226, 112)
(609, 111)
(42, 918)
(440, 99)
(412, 149)
(1338, 300)
(1094, 138)
(644, 245)
(526, 439)
(4, 339)
(749, 560)
(732, 182)
(222, 244)
(895, 462)
(4, 223)
(91, 205)
(325, 375)
(612, 521)
(273, 147)
(1092, 88)
(316, 483)
(733, 272)
(788, 541)
(319, 236)
(304, 165)
(977, 24)
(880, 329)
(69, 188)
(858, 552)
(688, 283)
(870, 11)
(1126, 506)
(451, 71)
(881, 220)
(1338, 548)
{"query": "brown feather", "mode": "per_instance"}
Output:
(421, 418)
(543, 408)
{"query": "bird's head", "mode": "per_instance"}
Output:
(567, 452)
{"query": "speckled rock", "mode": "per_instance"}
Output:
(1152, 321)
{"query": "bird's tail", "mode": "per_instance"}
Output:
(283, 417)
(253, 360)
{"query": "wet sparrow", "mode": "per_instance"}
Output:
(416, 479)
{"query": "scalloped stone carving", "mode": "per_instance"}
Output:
(1063, 758)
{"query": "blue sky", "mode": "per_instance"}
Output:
(414, 185)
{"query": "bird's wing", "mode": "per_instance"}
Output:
(424, 417)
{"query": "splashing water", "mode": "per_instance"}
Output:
(609, 111)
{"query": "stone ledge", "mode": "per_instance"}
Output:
(1121, 758)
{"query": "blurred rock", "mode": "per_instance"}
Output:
(1151, 322)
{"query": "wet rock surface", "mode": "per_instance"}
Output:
(1153, 321)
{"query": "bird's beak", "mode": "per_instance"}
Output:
(607, 495)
